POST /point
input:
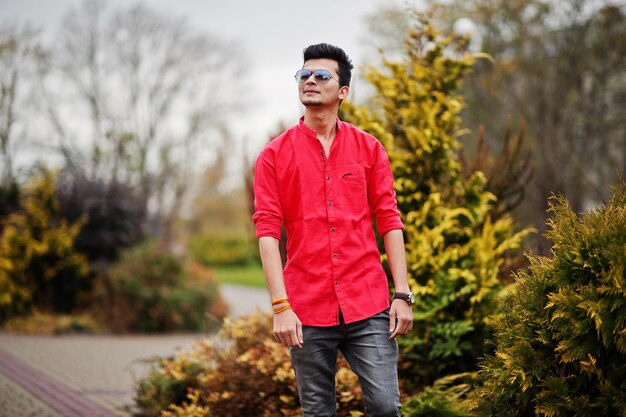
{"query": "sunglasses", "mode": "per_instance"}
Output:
(321, 76)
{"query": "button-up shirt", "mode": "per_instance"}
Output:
(327, 204)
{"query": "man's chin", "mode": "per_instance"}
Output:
(311, 103)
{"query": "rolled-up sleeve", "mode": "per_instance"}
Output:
(268, 214)
(381, 194)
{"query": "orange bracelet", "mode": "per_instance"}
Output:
(281, 309)
(279, 301)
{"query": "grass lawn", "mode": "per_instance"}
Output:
(251, 275)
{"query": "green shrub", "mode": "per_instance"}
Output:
(561, 333)
(445, 398)
(222, 250)
(39, 266)
(151, 290)
(241, 374)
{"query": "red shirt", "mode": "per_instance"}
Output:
(326, 204)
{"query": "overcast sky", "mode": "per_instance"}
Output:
(272, 34)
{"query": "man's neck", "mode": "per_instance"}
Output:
(323, 122)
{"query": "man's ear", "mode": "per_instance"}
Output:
(343, 92)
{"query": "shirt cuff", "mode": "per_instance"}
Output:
(267, 225)
(389, 223)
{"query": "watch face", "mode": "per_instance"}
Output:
(411, 297)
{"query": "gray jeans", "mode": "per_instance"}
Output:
(371, 355)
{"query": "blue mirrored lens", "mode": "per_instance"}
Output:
(321, 75)
(303, 75)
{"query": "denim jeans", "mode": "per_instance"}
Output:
(371, 355)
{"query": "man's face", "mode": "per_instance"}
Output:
(316, 93)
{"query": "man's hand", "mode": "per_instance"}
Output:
(288, 329)
(400, 318)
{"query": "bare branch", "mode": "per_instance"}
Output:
(146, 92)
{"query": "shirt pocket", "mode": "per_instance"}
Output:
(353, 189)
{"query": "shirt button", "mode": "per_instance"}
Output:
(334, 255)
(332, 229)
(327, 178)
(336, 282)
(330, 203)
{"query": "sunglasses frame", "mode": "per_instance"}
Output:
(319, 74)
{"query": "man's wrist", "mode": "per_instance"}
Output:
(408, 297)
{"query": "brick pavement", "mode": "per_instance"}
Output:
(17, 401)
(90, 376)
(61, 398)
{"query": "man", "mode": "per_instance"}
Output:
(324, 179)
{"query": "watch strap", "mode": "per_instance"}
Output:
(404, 296)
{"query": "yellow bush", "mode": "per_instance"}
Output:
(39, 266)
(456, 249)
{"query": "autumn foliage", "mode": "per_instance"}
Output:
(244, 372)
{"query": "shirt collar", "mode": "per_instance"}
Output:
(310, 132)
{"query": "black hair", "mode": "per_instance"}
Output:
(327, 51)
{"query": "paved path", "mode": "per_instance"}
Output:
(245, 300)
(87, 375)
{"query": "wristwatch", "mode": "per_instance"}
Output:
(408, 297)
